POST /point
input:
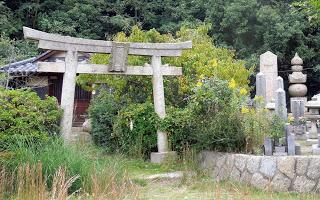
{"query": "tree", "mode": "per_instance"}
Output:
(203, 61)
(75, 18)
(7, 22)
(12, 51)
(250, 27)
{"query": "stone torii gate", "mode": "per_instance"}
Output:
(118, 65)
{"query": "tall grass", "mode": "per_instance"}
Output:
(28, 183)
(94, 171)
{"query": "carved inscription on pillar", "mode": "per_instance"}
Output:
(119, 57)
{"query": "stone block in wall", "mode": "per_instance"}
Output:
(230, 160)
(286, 165)
(220, 160)
(208, 159)
(268, 166)
(240, 162)
(303, 184)
(235, 174)
(253, 164)
(302, 165)
(313, 171)
(280, 183)
(259, 181)
(245, 177)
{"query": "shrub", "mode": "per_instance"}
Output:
(178, 124)
(135, 130)
(276, 130)
(25, 117)
(256, 125)
(211, 120)
(103, 111)
(215, 106)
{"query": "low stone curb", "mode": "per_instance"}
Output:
(277, 173)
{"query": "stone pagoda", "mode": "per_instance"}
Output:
(297, 80)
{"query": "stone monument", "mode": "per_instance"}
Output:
(297, 110)
(313, 116)
(269, 67)
(261, 88)
(280, 103)
(297, 80)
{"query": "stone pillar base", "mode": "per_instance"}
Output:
(301, 137)
(161, 157)
(299, 98)
(316, 149)
(312, 141)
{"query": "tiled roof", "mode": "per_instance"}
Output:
(24, 67)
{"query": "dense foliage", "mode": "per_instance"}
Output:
(249, 27)
(12, 50)
(132, 130)
(258, 123)
(135, 130)
(25, 117)
(215, 108)
(103, 110)
(122, 119)
(211, 120)
(203, 61)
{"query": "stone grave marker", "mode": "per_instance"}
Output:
(261, 87)
(280, 105)
(298, 107)
(268, 146)
(269, 67)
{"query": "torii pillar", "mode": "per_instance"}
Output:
(159, 107)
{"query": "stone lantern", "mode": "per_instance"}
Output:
(297, 80)
(313, 116)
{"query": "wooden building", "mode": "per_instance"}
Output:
(23, 74)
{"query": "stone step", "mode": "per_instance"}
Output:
(81, 137)
(77, 124)
(306, 148)
(77, 129)
(170, 175)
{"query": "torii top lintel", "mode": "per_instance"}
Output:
(67, 43)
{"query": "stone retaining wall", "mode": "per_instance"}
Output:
(278, 173)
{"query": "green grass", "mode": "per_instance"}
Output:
(139, 168)
(80, 159)
(116, 171)
(200, 186)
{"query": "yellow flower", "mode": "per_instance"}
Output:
(243, 91)
(232, 84)
(245, 110)
(213, 63)
(290, 119)
(199, 83)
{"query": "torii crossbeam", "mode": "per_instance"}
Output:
(118, 65)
